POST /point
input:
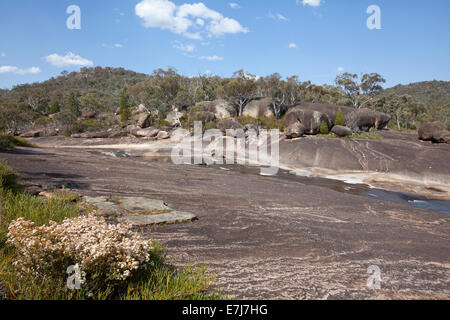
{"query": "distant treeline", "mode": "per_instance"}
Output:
(100, 90)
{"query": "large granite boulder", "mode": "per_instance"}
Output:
(146, 133)
(162, 135)
(259, 108)
(428, 130)
(329, 110)
(310, 119)
(221, 108)
(203, 116)
(32, 134)
(173, 118)
(143, 120)
(231, 127)
(341, 131)
(442, 137)
(364, 119)
(295, 130)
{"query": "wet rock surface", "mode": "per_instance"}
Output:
(269, 238)
(138, 211)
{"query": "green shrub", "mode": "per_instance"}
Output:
(54, 107)
(8, 179)
(339, 118)
(9, 142)
(324, 128)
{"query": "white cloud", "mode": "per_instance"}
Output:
(118, 45)
(212, 58)
(189, 20)
(340, 69)
(292, 46)
(3, 54)
(16, 70)
(312, 3)
(234, 5)
(281, 17)
(184, 47)
(70, 59)
(277, 16)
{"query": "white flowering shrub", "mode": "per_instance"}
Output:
(104, 252)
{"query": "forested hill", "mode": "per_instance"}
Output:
(101, 86)
(427, 92)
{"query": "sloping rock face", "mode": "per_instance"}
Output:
(91, 135)
(310, 119)
(434, 131)
(259, 108)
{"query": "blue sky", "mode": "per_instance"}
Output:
(310, 38)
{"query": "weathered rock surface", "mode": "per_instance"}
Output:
(91, 135)
(433, 131)
(341, 131)
(221, 108)
(146, 133)
(143, 120)
(259, 108)
(162, 135)
(365, 119)
(295, 130)
(138, 211)
(32, 134)
(229, 124)
(271, 238)
(310, 119)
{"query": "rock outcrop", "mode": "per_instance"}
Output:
(146, 133)
(310, 119)
(221, 108)
(365, 119)
(434, 131)
(259, 108)
(295, 130)
(341, 131)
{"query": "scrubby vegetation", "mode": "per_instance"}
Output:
(9, 142)
(111, 92)
(41, 237)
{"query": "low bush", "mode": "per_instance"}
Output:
(9, 142)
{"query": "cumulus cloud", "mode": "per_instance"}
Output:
(340, 69)
(189, 20)
(70, 59)
(212, 58)
(234, 5)
(3, 54)
(312, 3)
(16, 70)
(292, 46)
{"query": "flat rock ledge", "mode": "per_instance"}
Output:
(138, 211)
